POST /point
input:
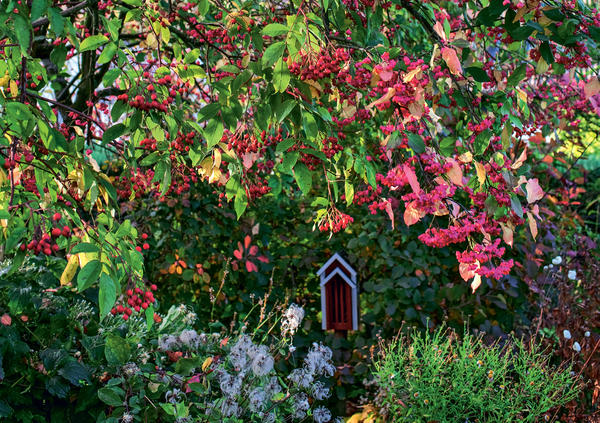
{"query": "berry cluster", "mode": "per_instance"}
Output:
(46, 244)
(137, 299)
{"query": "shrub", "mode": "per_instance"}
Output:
(437, 377)
(59, 362)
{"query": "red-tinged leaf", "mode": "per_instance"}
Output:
(386, 97)
(592, 87)
(251, 267)
(450, 57)
(476, 283)
(439, 30)
(507, 234)
(238, 254)
(534, 191)
(253, 250)
(455, 173)
(247, 241)
(411, 177)
(466, 271)
(519, 162)
(532, 225)
(263, 259)
(411, 215)
(386, 75)
(390, 212)
(234, 265)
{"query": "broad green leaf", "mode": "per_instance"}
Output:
(88, 275)
(107, 53)
(23, 33)
(213, 133)
(107, 294)
(92, 42)
(241, 202)
(275, 29)
(517, 76)
(303, 177)
(416, 143)
(310, 125)
(113, 132)
(281, 76)
(273, 53)
(85, 247)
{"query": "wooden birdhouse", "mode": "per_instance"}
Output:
(339, 295)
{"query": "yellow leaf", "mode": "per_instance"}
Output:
(14, 90)
(70, 270)
(207, 363)
(151, 40)
(480, 169)
(390, 93)
(411, 75)
(532, 225)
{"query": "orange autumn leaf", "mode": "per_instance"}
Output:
(411, 215)
(451, 58)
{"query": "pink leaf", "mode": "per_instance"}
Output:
(6, 319)
(251, 267)
(411, 215)
(591, 88)
(238, 254)
(263, 259)
(247, 241)
(390, 212)
(476, 282)
(466, 271)
(386, 75)
(411, 177)
(451, 59)
(507, 234)
(532, 225)
(534, 191)
(253, 250)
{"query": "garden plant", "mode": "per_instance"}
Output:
(174, 173)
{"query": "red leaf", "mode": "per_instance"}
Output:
(253, 250)
(247, 241)
(390, 212)
(263, 259)
(238, 254)
(6, 319)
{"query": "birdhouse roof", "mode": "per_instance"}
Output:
(338, 272)
(337, 257)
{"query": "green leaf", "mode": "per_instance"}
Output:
(275, 29)
(281, 76)
(23, 33)
(416, 143)
(85, 247)
(284, 145)
(213, 133)
(38, 8)
(303, 177)
(517, 76)
(92, 42)
(57, 21)
(74, 372)
(310, 125)
(285, 109)
(477, 73)
(349, 192)
(107, 294)
(273, 53)
(88, 275)
(107, 53)
(113, 132)
(110, 396)
(241, 202)
(482, 141)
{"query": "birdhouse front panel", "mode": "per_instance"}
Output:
(339, 295)
(339, 304)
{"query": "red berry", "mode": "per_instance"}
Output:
(66, 231)
(128, 311)
(56, 217)
(56, 232)
(144, 236)
(153, 287)
(138, 249)
(144, 306)
(146, 246)
(125, 317)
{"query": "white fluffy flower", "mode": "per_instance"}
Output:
(291, 319)
(557, 260)
(230, 385)
(566, 334)
(318, 360)
(321, 415)
(587, 334)
(576, 346)
(256, 399)
(239, 352)
(301, 378)
(189, 338)
(167, 342)
(320, 391)
(262, 361)
(572, 275)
